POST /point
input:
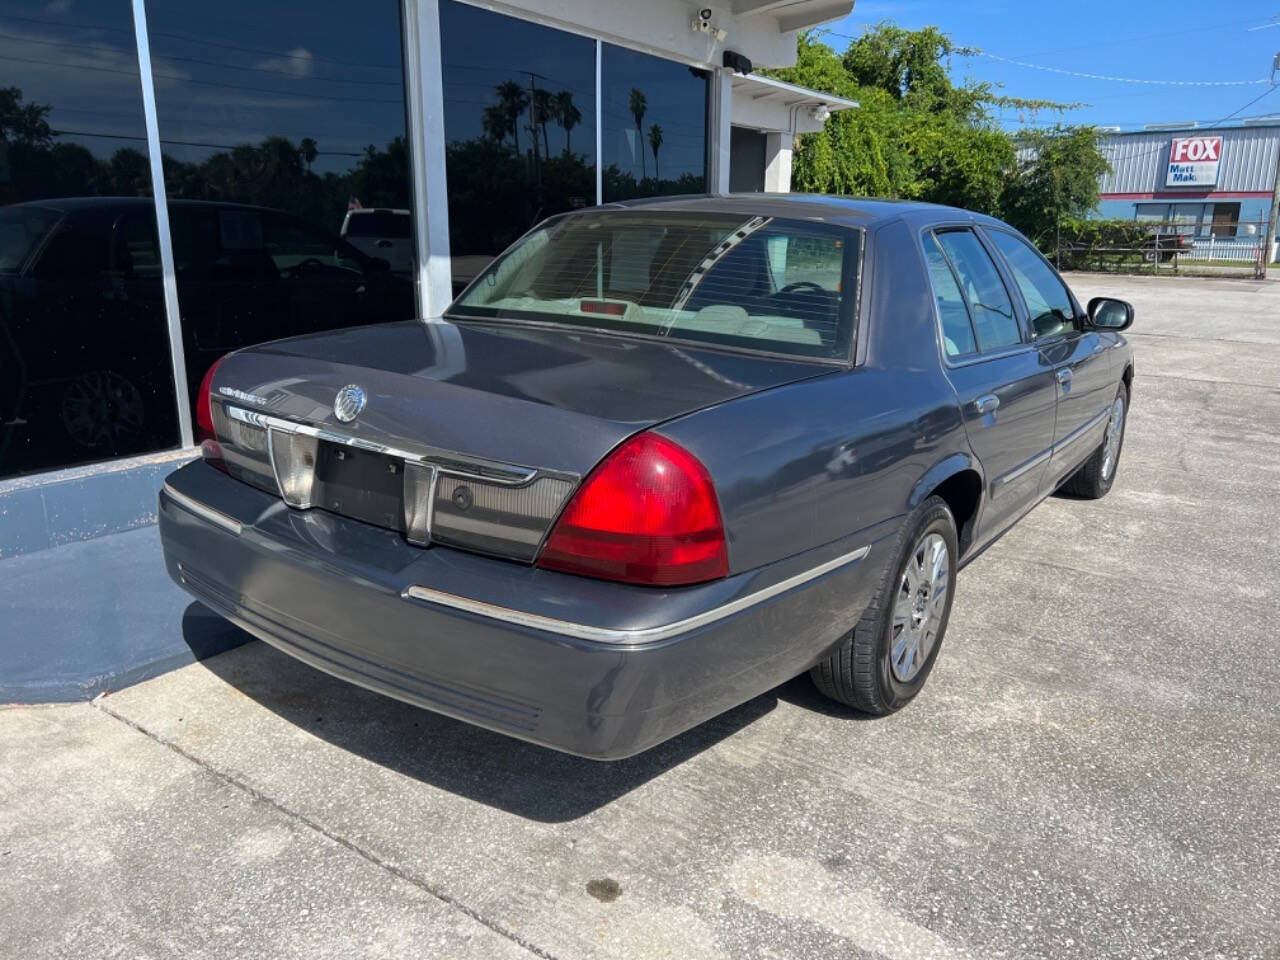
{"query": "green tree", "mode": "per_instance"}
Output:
(1057, 180)
(21, 123)
(917, 134)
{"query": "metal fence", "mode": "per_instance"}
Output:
(1221, 248)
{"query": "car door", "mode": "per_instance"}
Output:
(1005, 387)
(1077, 353)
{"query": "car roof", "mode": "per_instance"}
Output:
(845, 211)
(71, 204)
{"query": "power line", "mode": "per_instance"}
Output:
(103, 48)
(206, 43)
(1111, 79)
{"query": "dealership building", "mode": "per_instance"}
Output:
(178, 180)
(1217, 184)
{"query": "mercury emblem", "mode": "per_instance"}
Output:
(348, 403)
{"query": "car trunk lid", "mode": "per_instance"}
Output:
(505, 418)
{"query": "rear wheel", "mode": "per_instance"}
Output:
(1095, 477)
(884, 661)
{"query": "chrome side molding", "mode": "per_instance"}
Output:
(1080, 432)
(205, 512)
(636, 637)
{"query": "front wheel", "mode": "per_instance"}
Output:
(1095, 477)
(884, 661)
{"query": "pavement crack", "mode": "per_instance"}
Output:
(398, 872)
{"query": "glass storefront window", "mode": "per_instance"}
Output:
(654, 125)
(278, 124)
(519, 123)
(84, 347)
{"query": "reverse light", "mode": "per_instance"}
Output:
(647, 514)
(293, 458)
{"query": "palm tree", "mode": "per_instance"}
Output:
(544, 107)
(495, 123)
(309, 151)
(655, 141)
(512, 100)
(638, 106)
(568, 114)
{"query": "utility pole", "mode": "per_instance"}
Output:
(1269, 240)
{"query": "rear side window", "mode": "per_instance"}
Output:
(994, 321)
(756, 282)
(1048, 303)
(957, 332)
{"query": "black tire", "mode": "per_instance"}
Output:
(1090, 482)
(858, 673)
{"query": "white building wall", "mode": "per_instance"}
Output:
(664, 27)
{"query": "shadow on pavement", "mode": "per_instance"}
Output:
(501, 771)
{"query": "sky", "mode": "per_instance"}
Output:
(1159, 41)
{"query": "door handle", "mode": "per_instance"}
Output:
(1064, 376)
(987, 404)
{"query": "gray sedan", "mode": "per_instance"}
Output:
(655, 460)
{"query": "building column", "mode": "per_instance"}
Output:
(719, 117)
(777, 162)
(425, 93)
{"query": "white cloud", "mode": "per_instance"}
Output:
(297, 61)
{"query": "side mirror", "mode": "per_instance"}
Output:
(1106, 313)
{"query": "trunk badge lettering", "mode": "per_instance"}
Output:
(348, 403)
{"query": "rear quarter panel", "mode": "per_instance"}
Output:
(807, 464)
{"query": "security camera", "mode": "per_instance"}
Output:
(702, 21)
(704, 13)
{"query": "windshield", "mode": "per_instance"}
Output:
(21, 229)
(763, 283)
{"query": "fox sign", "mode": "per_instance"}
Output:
(1193, 162)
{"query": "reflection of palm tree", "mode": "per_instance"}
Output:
(495, 123)
(309, 151)
(638, 107)
(543, 110)
(655, 141)
(568, 115)
(512, 101)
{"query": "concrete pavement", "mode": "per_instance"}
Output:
(1091, 771)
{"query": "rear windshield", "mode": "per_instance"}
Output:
(21, 229)
(378, 223)
(764, 283)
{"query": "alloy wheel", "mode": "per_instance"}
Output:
(919, 606)
(1111, 440)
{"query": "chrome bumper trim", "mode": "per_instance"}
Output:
(636, 637)
(216, 517)
(491, 471)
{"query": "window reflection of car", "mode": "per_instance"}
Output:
(82, 318)
(380, 232)
(83, 341)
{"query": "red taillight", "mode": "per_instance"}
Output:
(647, 514)
(204, 405)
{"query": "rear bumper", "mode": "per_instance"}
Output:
(596, 669)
